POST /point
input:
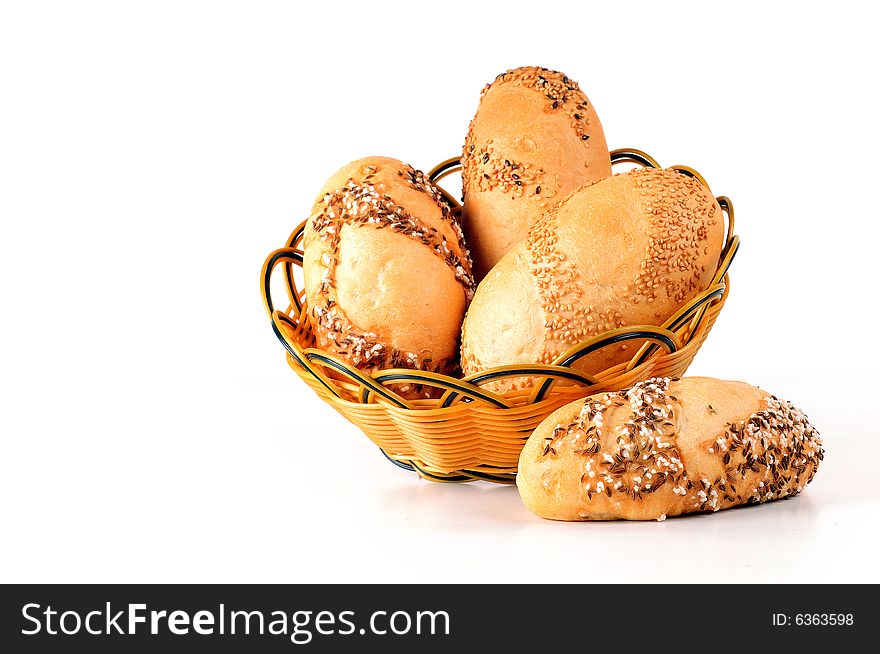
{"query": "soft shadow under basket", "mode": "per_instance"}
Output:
(469, 433)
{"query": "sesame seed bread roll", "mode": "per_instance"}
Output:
(628, 250)
(387, 273)
(665, 448)
(534, 139)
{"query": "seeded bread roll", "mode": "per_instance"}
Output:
(387, 274)
(664, 448)
(534, 139)
(628, 250)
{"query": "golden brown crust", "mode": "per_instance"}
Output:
(629, 250)
(387, 274)
(665, 448)
(535, 139)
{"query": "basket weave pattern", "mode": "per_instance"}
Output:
(470, 433)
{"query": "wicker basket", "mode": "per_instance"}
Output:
(469, 433)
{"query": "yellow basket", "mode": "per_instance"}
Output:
(470, 433)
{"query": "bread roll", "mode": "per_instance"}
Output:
(534, 139)
(628, 250)
(664, 448)
(387, 274)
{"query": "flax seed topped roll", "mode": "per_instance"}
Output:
(387, 273)
(628, 250)
(534, 139)
(664, 448)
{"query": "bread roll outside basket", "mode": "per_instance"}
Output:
(470, 433)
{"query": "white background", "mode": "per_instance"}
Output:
(152, 154)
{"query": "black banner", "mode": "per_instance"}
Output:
(334, 618)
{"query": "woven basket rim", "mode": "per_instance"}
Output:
(679, 333)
